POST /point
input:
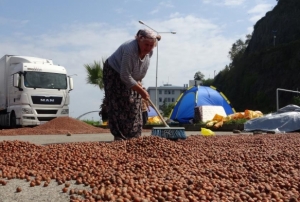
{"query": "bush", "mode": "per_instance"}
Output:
(91, 122)
(236, 121)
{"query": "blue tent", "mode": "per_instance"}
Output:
(184, 108)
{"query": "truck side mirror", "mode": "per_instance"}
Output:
(16, 80)
(71, 83)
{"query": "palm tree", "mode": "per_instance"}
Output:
(95, 73)
(95, 77)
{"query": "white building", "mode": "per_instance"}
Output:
(195, 83)
(166, 92)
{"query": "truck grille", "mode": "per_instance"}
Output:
(42, 111)
(45, 118)
(46, 100)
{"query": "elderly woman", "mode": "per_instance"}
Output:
(123, 72)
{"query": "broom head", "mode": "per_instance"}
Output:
(172, 133)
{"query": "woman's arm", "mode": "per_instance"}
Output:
(138, 88)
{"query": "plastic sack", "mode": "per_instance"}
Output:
(211, 123)
(249, 114)
(219, 124)
(154, 120)
(218, 117)
(238, 115)
(207, 132)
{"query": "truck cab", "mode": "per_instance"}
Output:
(36, 91)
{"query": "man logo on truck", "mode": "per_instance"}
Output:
(47, 100)
(34, 69)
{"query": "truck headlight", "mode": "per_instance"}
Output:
(65, 111)
(26, 111)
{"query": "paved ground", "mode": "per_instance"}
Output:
(103, 137)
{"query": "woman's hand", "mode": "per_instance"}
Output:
(143, 92)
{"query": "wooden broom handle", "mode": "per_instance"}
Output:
(160, 116)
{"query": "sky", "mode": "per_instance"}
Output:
(73, 33)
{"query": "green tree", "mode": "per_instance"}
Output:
(248, 38)
(198, 76)
(95, 73)
(167, 108)
(95, 77)
(239, 47)
(296, 100)
(208, 82)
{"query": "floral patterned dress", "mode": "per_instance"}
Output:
(123, 106)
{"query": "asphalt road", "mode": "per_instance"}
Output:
(103, 137)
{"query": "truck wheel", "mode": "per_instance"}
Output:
(13, 120)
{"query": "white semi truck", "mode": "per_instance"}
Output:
(32, 91)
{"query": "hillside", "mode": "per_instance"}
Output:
(282, 22)
(266, 64)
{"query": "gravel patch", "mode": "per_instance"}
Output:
(60, 125)
(52, 193)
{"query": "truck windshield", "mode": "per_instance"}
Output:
(45, 80)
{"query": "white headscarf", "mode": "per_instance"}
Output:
(147, 33)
